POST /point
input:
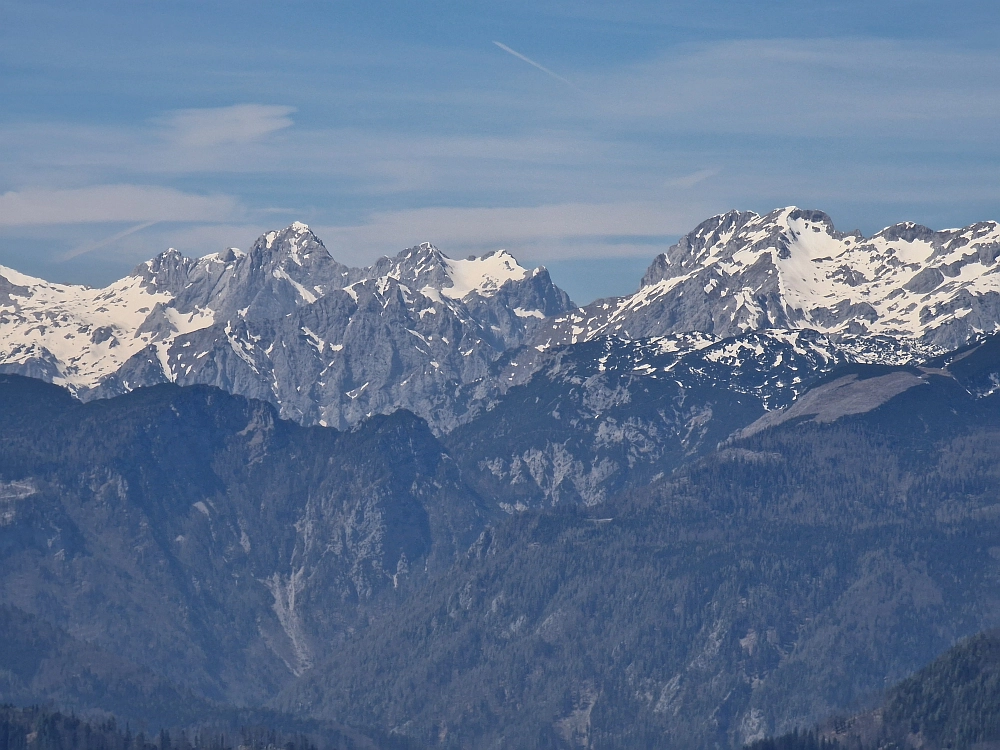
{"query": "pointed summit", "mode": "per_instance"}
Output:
(295, 242)
(418, 267)
(424, 267)
(168, 271)
(423, 259)
(693, 248)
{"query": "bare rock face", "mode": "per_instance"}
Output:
(792, 269)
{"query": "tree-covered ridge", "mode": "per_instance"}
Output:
(951, 704)
(40, 660)
(205, 543)
(809, 740)
(38, 728)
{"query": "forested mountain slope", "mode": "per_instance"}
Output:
(42, 728)
(954, 702)
(758, 586)
(198, 536)
(762, 587)
(43, 663)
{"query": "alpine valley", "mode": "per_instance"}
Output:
(433, 503)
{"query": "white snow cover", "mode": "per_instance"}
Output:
(820, 271)
(522, 313)
(76, 335)
(484, 276)
(439, 278)
(88, 332)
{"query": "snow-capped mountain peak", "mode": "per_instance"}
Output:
(483, 276)
(295, 242)
(791, 268)
(284, 322)
(426, 269)
(72, 334)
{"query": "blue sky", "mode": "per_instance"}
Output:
(130, 127)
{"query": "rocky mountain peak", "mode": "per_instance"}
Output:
(792, 269)
(426, 269)
(173, 273)
(296, 243)
(418, 267)
(169, 270)
(425, 249)
(693, 247)
(793, 213)
(906, 231)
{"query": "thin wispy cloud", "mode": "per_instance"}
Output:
(690, 180)
(541, 67)
(111, 203)
(91, 246)
(569, 230)
(240, 123)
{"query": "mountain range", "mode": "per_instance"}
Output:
(332, 345)
(434, 498)
(791, 269)
(284, 323)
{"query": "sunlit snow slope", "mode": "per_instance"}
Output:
(75, 335)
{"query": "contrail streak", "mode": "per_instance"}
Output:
(542, 68)
(83, 249)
